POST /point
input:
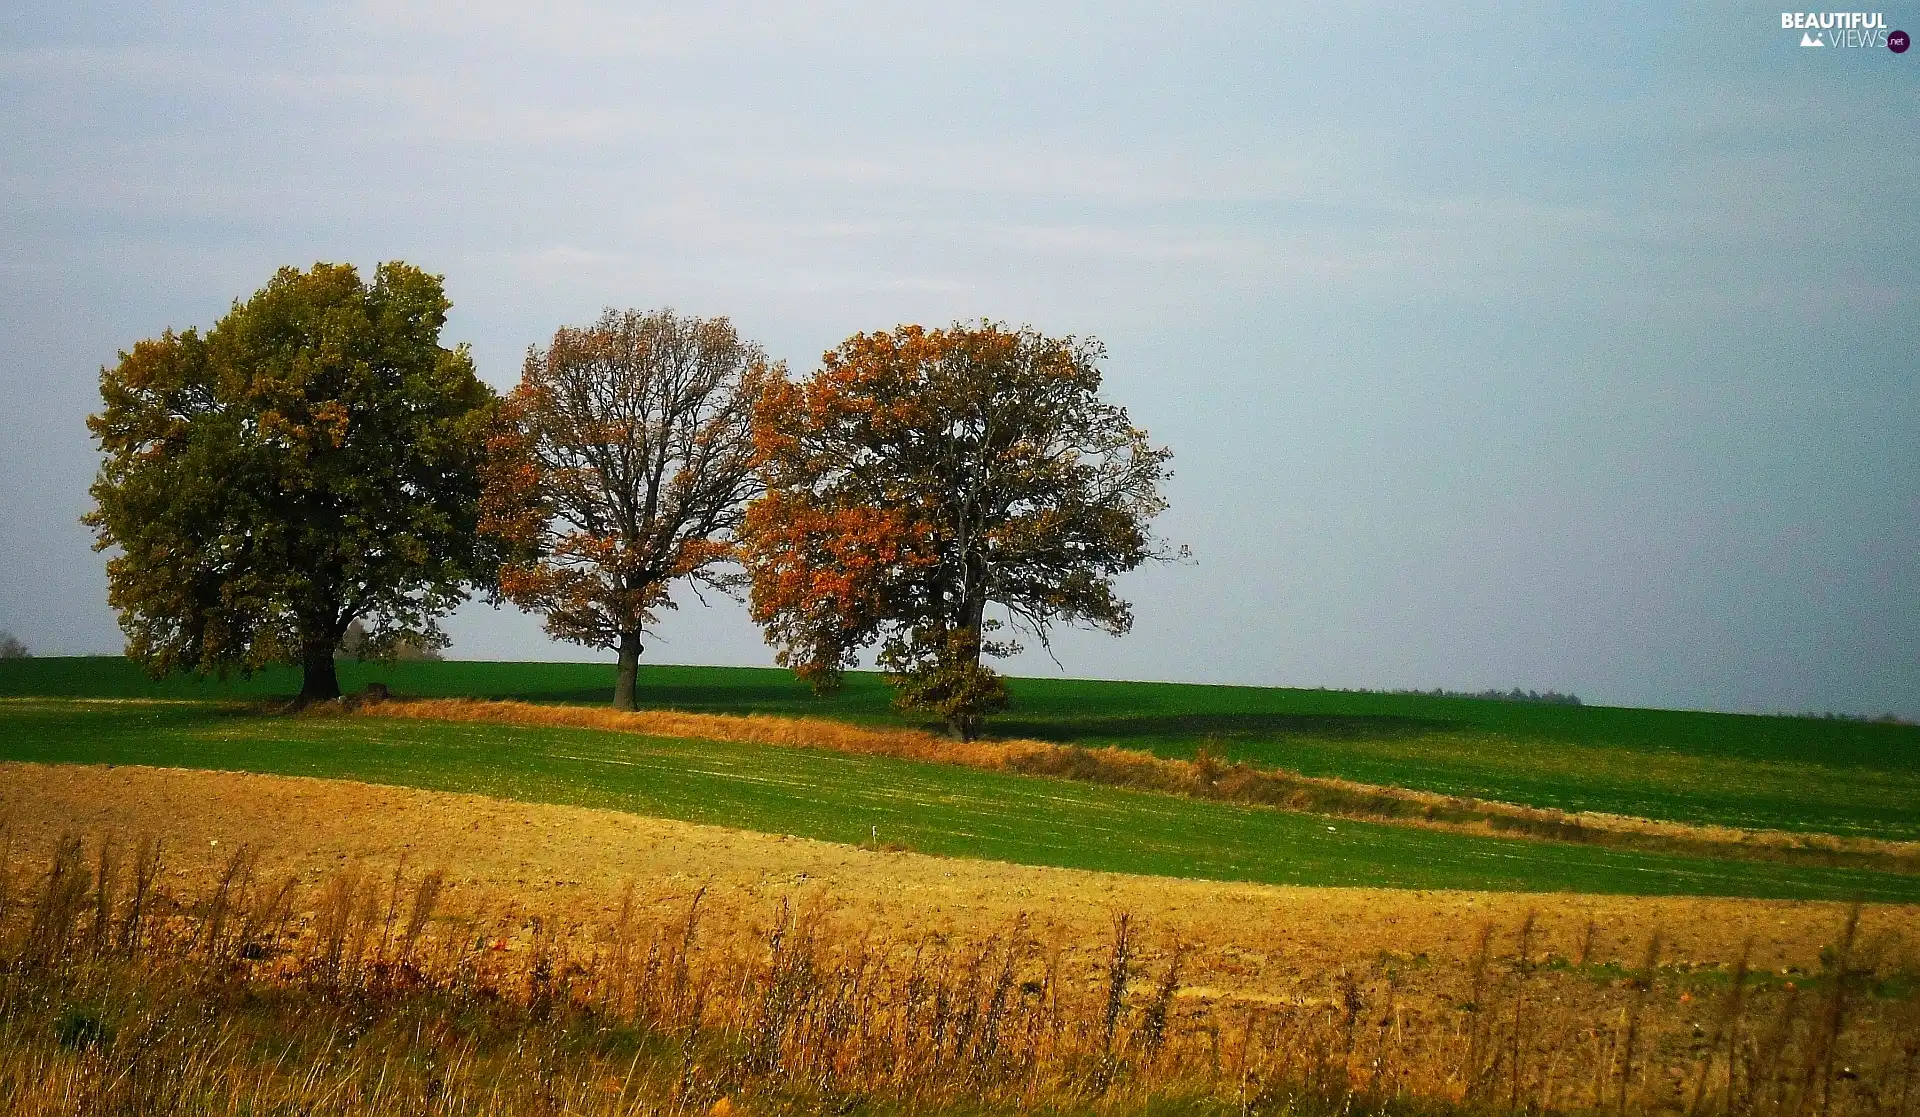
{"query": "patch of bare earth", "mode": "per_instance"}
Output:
(1249, 941)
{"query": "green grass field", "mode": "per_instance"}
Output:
(1807, 774)
(931, 808)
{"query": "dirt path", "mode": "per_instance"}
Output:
(573, 862)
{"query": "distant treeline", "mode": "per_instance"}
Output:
(1550, 697)
(1888, 718)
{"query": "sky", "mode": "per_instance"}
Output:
(1550, 346)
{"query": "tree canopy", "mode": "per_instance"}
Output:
(919, 476)
(311, 460)
(622, 465)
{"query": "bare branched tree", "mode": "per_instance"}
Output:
(622, 465)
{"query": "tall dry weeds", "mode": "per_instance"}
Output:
(49, 936)
(233, 883)
(1523, 969)
(344, 999)
(100, 931)
(1153, 1022)
(1909, 1060)
(134, 907)
(1119, 971)
(1724, 1039)
(1642, 986)
(1823, 1053)
(1480, 1021)
(6, 869)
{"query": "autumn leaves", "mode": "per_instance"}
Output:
(319, 458)
(918, 477)
(621, 465)
(914, 480)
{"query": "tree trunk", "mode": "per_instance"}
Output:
(318, 680)
(623, 685)
(964, 724)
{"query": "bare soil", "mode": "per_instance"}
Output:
(528, 860)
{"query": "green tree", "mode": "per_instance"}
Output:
(311, 460)
(920, 476)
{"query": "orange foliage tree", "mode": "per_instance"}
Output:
(622, 465)
(921, 475)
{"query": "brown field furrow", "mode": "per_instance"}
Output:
(809, 956)
(571, 862)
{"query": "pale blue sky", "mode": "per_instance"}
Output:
(1532, 345)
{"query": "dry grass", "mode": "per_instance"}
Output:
(812, 733)
(1206, 776)
(568, 864)
(375, 989)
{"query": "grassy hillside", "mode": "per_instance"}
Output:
(1768, 772)
(931, 808)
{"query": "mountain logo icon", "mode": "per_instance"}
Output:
(1811, 40)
